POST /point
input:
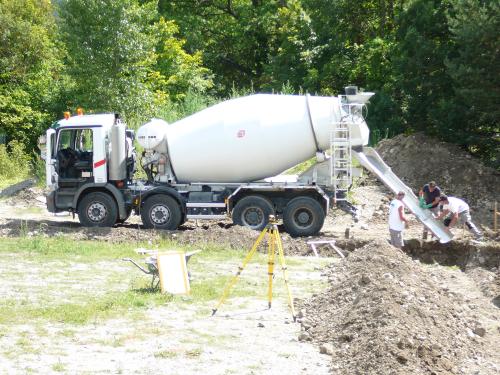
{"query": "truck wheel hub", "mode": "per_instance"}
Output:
(96, 212)
(253, 217)
(303, 218)
(160, 214)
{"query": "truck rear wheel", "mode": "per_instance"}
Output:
(97, 209)
(253, 212)
(161, 211)
(303, 216)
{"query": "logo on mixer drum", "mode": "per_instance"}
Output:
(241, 133)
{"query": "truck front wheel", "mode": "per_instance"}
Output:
(161, 211)
(303, 216)
(253, 212)
(97, 209)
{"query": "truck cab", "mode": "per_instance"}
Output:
(84, 174)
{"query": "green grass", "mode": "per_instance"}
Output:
(102, 295)
(6, 182)
(302, 167)
(15, 164)
(58, 367)
(31, 210)
(61, 248)
(194, 353)
(165, 354)
(94, 309)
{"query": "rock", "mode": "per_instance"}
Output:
(480, 331)
(365, 280)
(304, 336)
(260, 325)
(326, 349)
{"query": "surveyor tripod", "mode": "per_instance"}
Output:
(274, 245)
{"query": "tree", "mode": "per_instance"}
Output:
(258, 44)
(122, 56)
(291, 50)
(474, 70)
(110, 55)
(423, 45)
(176, 71)
(29, 65)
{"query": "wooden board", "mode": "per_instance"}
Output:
(173, 273)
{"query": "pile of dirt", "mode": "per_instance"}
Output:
(385, 314)
(223, 234)
(30, 197)
(418, 159)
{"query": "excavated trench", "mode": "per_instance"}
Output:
(464, 255)
(480, 262)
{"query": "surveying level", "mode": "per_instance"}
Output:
(274, 243)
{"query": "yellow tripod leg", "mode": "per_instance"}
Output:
(270, 266)
(233, 280)
(285, 273)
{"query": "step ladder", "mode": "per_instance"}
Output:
(340, 150)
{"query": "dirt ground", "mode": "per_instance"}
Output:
(431, 309)
(418, 159)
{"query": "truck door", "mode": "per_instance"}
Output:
(48, 154)
(74, 156)
(100, 143)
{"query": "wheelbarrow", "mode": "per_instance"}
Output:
(151, 263)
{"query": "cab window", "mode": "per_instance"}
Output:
(84, 140)
(65, 139)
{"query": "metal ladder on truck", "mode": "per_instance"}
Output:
(340, 151)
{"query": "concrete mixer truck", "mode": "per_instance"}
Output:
(217, 163)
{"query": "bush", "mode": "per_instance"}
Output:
(15, 163)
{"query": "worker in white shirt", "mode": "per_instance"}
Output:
(455, 209)
(397, 220)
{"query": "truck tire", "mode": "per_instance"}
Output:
(97, 209)
(161, 211)
(253, 212)
(303, 216)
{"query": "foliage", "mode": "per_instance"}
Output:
(15, 163)
(424, 43)
(177, 72)
(474, 70)
(28, 64)
(123, 57)
(109, 55)
(433, 64)
(249, 43)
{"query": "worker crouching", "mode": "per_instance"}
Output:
(455, 209)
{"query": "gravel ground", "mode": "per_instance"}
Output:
(458, 303)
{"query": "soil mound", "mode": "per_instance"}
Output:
(385, 314)
(418, 159)
(220, 233)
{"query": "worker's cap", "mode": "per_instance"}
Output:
(443, 198)
(401, 194)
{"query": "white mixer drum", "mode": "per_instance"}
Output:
(151, 135)
(252, 137)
